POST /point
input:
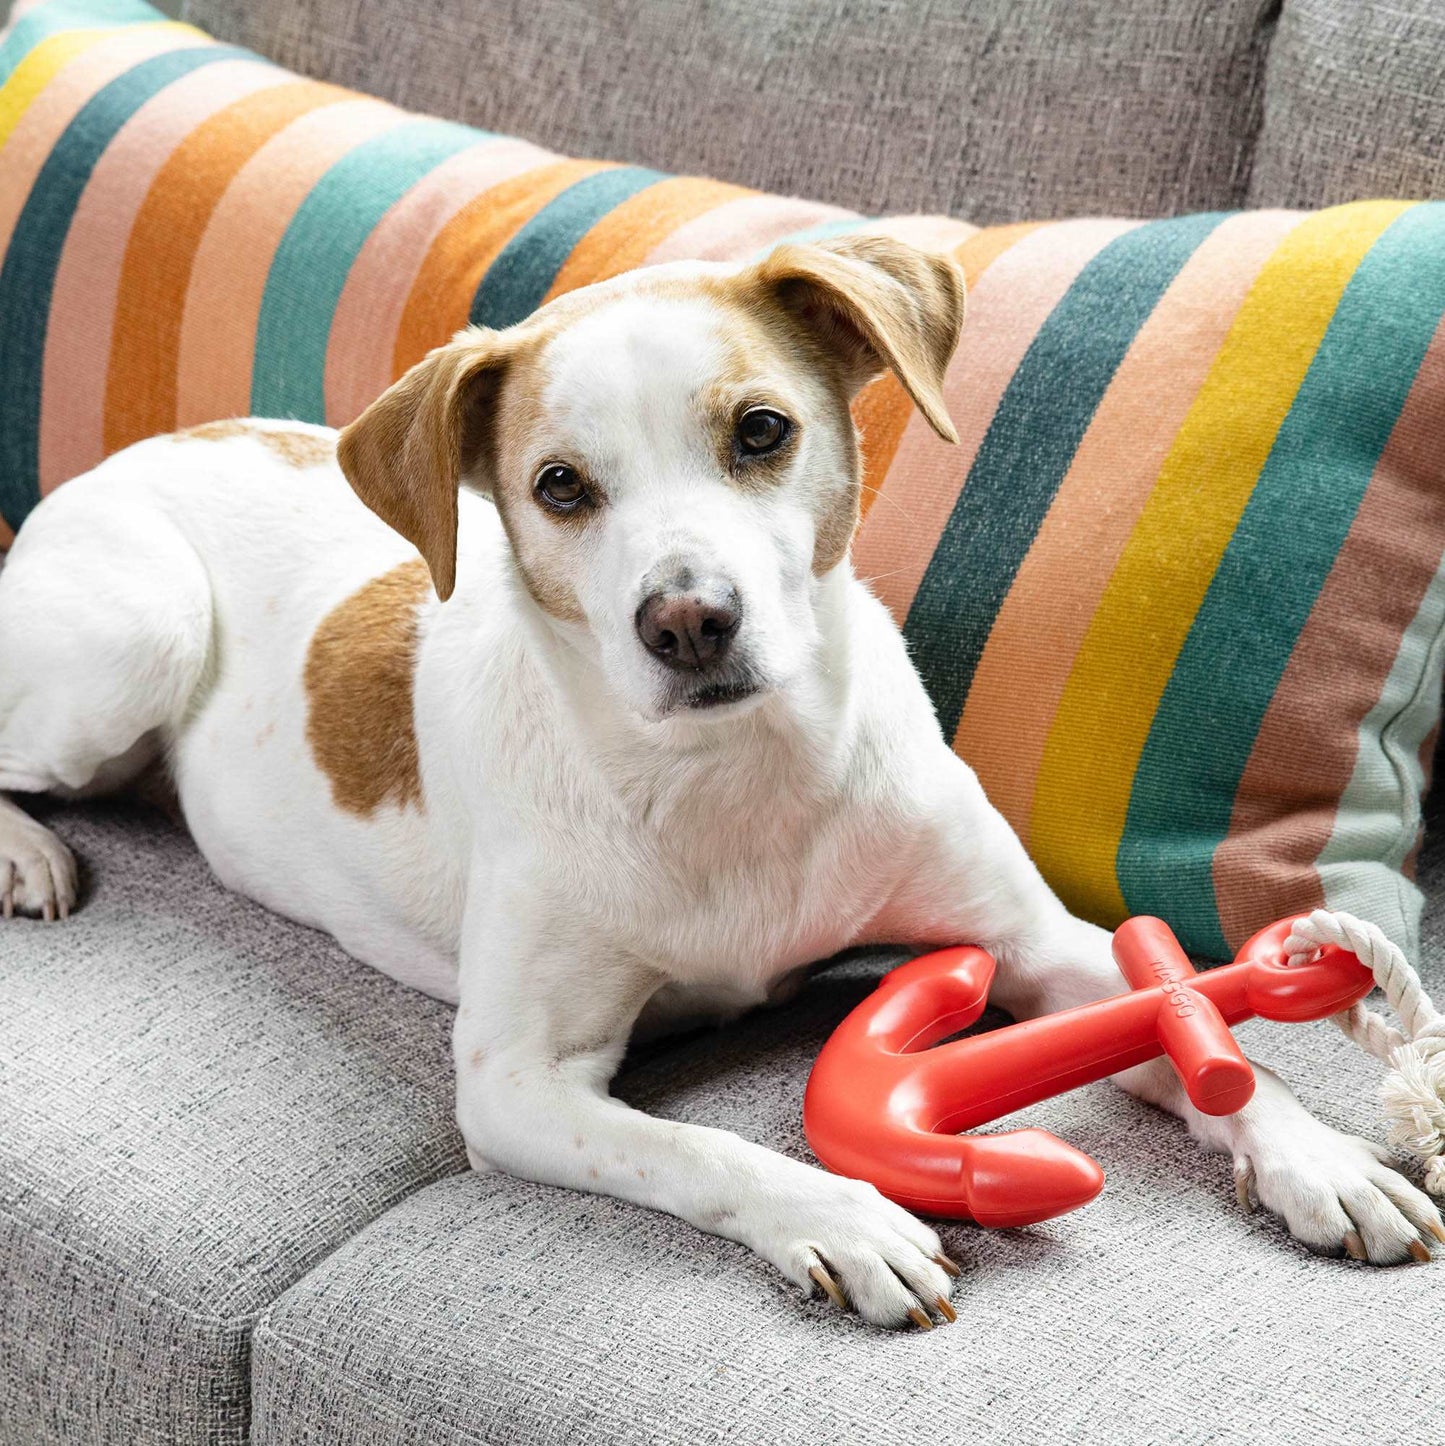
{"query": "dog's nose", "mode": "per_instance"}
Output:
(690, 629)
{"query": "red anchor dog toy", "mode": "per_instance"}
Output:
(883, 1106)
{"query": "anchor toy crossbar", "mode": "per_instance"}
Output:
(883, 1106)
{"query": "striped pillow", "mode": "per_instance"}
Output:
(1177, 596)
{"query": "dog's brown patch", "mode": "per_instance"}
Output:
(212, 431)
(766, 349)
(520, 415)
(359, 671)
(296, 449)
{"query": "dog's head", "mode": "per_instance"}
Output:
(671, 453)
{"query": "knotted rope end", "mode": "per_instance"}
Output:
(1413, 1092)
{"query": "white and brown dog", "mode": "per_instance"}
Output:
(627, 744)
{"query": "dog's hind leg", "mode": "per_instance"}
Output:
(105, 633)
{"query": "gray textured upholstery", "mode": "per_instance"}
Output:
(198, 1102)
(1355, 104)
(202, 1102)
(992, 110)
(491, 1310)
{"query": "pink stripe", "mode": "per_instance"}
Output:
(1011, 302)
(928, 233)
(737, 229)
(87, 282)
(368, 314)
(228, 276)
(45, 120)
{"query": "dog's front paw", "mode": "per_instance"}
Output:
(841, 1237)
(1339, 1195)
(37, 871)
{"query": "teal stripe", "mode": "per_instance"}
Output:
(523, 273)
(27, 277)
(1040, 421)
(821, 232)
(1288, 537)
(309, 269)
(61, 15)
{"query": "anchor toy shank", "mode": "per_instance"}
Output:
(883, 1106)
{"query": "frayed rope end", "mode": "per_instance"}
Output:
(1413, 1096)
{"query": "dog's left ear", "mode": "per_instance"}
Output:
(410, 450)
(875, 303)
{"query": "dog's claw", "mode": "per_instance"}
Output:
(47, 911)
(1420, 1251)
(1437, 1230)
(7, 905)
(1243, 1183)
(920, 1319)
(828, 1286)
(1354, 1246)
(945, 1310)
(947, 1266)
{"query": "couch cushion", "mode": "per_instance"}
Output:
(1354, 105)
(199, 1102)
(492, 1310)
(993, 110)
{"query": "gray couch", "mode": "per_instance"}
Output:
(233, 1204)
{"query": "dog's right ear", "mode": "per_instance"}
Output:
(410, 450)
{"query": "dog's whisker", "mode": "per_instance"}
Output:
(881, 496)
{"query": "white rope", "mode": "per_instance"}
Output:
(1413, 1092)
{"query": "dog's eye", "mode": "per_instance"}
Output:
(761, 431)
(561, 488)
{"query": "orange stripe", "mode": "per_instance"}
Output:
(140, 392)
(441, 296)
(881, 409)
(623, 238)
(6, 535)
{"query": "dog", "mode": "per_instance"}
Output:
(584, 723)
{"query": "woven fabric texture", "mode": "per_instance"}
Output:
(1176, 595)
(993, 109)
(492, 1310)
(1355, 103)
(200, 1102)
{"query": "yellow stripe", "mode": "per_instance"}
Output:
(1081, 801)
(48, 58)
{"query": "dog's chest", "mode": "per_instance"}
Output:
(727, 880)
